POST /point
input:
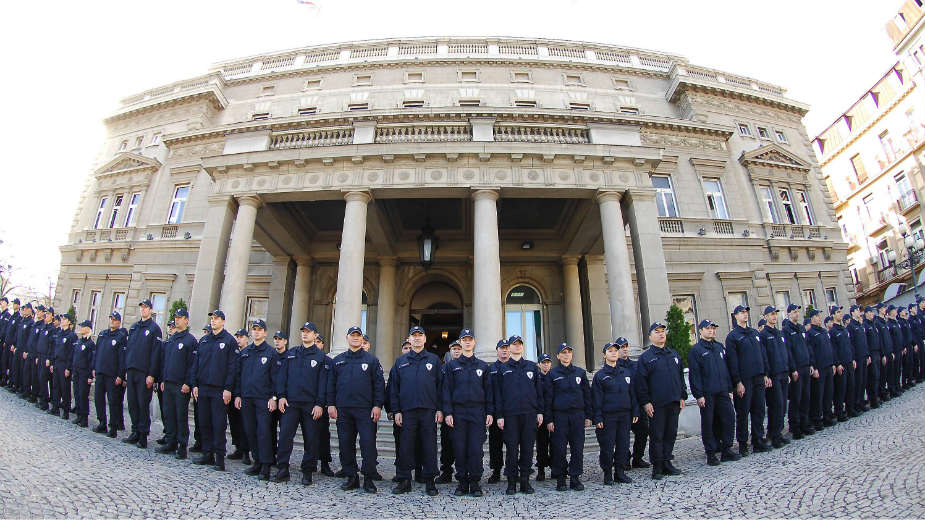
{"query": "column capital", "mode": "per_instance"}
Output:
(606, 196)
(388, 261)
(594, 259)
(641, 193)
(220, 198)
(253, 200)
(302, 260)
(358, 196)
(485, 194)
(570, 259)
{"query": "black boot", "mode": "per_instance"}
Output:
(219, 463)
(352, 482)
(100, 428)
(66, 416)
(743, 449)
(475, 489)
(306, 477)
(236, 454)
(83, 423)
(608, 478)
(511, 487)
(445, 478)
(181, 452)
(712, 459)
(254, 470)
(403, 486)
(495, 476)
(640, 463)
(430, 488)
(264, 472)
(204, 459)
(670, 469)
(621, 477)
(560, 484)
(131, 439)
(112, 433)
(657, 472)
(326, 469)
(340, 473)
(163, 440)
(142, 441)
(282, 474)
(369, 486)
(197, 447)
(540, 473)
(167, 448)
(246, 460)
(576, 484)
(462, 488)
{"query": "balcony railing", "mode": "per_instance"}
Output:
(907, 200)
(541, 134)
(722, 227)
(333, 136)
(778, 230)
(669, 225)
(168, 232)
(424, 133)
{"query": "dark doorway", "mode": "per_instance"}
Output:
(437, 307)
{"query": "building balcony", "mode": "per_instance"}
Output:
(907, 201)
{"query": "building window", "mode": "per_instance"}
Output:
(809, 298)
(523, 316)
(468, 75)
(573, 79)
(413, 104)
(831, 296)
(256, 310)
(883, 251)
(116, 206)
(311, 84)
(159, 308)
(268, 90)
(75, 298)
(262, 116)
(688, 305)
(664, 196)
(781, 137)
(358, 106)
(123, 146)
(118, 303)
(524, 103)
(99, 213)
(745, 130)
(95, 297)
(139, 141)
(308, 111)
(414, 77)
(915, 227)
(629, 110)
(470, 102)
(521, 77)
(790, 216)
(803, 199)
(767, 199)
(715, 199)
(736, 298)
(362, 80)
(178, 204)
(886, 143)
(132, 209)
(763, 133)
(907, 196)
(621, 84)
(579, 106)
(859, 170)
(868, 203)
(782, 299)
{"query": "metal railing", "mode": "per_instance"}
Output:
(332, 136)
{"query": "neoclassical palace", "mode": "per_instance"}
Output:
(562, 191)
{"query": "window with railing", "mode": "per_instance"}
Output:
(907, 196)
(178, 204)
(806, 208)
(790, 216)
(114, 215)
(99, 213)
(664, 196)
(716, 201)
(767, 200)
(132, 209)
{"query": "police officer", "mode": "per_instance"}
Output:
(861, 353)
(61, 369)
(781, 368)
(661, 390)
(415, 396)
(822, 379)
(30, 366)
(355, 395)
(909, 344)
(236, 425)
(468, 402)
(615, 408)
(899, 347)
(141, 359)
(886, 351)
(396, 429)
(177, 359)
(447, 456)
(495, 435)
(255, 389)
(213, 381)
(568, 399)
(5, 317)
(107, 370)
(920, 341)
(520, 405)
(43, 351)
(711, 385)
(280, 346)
(917, 332)
(24, 334)
(324, 430)
(639, 428)
(876, 356)
(843, 380)
(82, 368)
(543, 455)
(749, 367)
(12, 332)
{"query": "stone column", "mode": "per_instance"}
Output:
(349, 299)
(619, 281)
(301, 296)
(239, 254)
(574, 323)
(486, 291)
(651, 271)
(385, 320)
(210, 264)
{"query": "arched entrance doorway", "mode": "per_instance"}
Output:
(523, 316)
(438, 308)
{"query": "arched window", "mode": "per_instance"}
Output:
(362, 318)
(523, 316)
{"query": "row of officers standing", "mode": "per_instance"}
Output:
(813, 371)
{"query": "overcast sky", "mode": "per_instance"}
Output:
(68, 63)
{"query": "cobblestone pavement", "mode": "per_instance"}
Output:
(872, 466)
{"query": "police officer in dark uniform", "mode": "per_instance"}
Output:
(280, 346)
(661, 390)
(917, 329)
(213, 381)
(107, 370)
(43, 351)
(861, 352)
(9, 344)
(919, 349)
(82, 368)
(886, 351)
(711, 385)
(5, 317)
(415, 396)
(781, 368)
(568, 399)
(324, 430)
(821, 389)
(468, 402)
(236, 424)
(254, 391)
(23, 338)
(141, 359)
(396, 429)
(543, 455)
(749, 367)
(447, 456)
(874, 343)
(843, 380)
(177, 359)
(355, 395)
(495, 435)
(61, 369)
(909, 342)
(615, 408)
(640, 428)
(520, 405)
(899, 347)
(30, 365)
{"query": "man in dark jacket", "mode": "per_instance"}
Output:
(141, 365)
(749, 368)
(821, 390)
(845, 365)
(213, 380)
(176, 377)
(711, 385)
(107, 373)
(861, 352)
(781, 368)
(568, 400)
(615, 408)
(61, 368)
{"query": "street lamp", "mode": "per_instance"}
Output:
(427, 245)
(915, 254)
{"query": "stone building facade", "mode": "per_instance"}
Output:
(574, 191)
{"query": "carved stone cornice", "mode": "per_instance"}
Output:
(127, 163)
